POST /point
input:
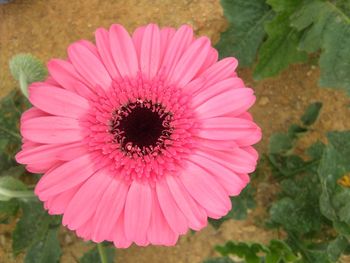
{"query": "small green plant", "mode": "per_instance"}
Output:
(282, 32)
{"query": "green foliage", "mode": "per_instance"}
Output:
(92, 256)
(246, 30)
(276, 252)
(46, 250)
(280, 48)
(281, 146)
(325, 26)
(334, 165)
(311, 113)
(36, 233)
(11, 108)
(240, 205)
(296, 28)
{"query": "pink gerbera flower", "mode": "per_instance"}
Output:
(140, 138)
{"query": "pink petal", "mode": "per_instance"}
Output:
(104, 50)
(166, 34)
(237, 160)
(137, 39)
(65, 177)
(159, 231)
(109, 209)
(206, 190)
(219, 71)
(234, 101)
(138, 212)
(90, 47)
(252, 139)
(196, 216)
(207, 93)
(123, 51)
(51, 152)
(215, 144)
(171, 211)
(42, 167)
(52, 129)
(32, 113)
(230, 181)
(226, 128)
(65, 74)
(177, 46)
(84, 231)
(58, 204)
(150, 51)
(119, 237)
(58, 101)
(89, 66)
(190, 62)
(77, 212)
(212, 57)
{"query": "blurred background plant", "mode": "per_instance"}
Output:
(310, 211)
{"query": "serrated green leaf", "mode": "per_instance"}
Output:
(46, 250)
(327, 26)
(246, 30)
(11, 108)
(32, 227)
(334, 164)
(280, 48)
(298, 209)
(92, 256)
(311, 113)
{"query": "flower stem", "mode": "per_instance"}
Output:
(16, 194)
(23, 84)
(102, 252)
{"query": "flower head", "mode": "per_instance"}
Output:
(139, 138)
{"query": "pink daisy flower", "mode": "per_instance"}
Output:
(140, 138)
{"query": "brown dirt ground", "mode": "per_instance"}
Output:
(46, 28)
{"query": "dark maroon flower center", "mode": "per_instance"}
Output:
(141, 127)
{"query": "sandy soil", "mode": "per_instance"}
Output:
(46, 28)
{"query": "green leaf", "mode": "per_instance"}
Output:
(298, 209)
(279, 251)
(249, 252)
(336, 247)
(8, 209)
(276, 252)
(32, 227)
(11, 108)
(92, 256)
(219, 260)
(246, 30)
(280, 48)
(326, 26)
(46, 250)
(311, 114)
(240, 206)
(280, 143)
(334, 164)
